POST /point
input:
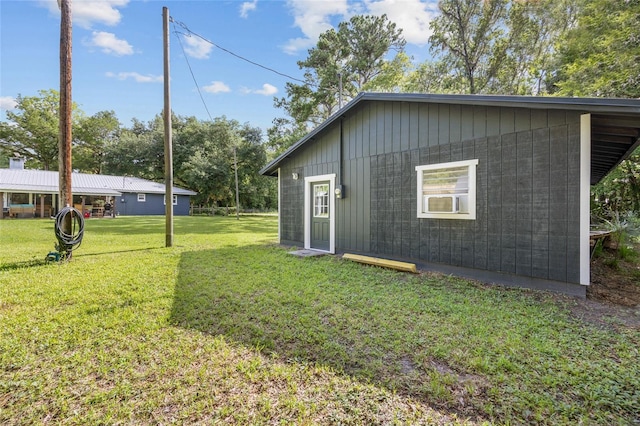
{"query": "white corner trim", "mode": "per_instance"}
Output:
(279, 209)
(585, 194)
(332, 210)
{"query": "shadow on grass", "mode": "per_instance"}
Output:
(25, 264)
(40, 262)
(102, 253)
(310, 311)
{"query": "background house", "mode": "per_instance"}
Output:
(494, 187)
(34, 193)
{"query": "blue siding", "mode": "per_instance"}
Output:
(128, 205)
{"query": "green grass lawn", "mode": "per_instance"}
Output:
(226, 327)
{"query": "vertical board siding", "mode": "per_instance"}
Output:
(434, 125)
(455, 123)
(508, 206)
(558, 191)
(366, 133)
(443, 125)
(527, 217)
(476, 233)
(479, 122)
(524, 200)
(404, 123)
(414, 126)
(573, 203)
(423, 131)
(540, 216)
(366, 205)
(494, 203)
(380, 132)
(407, 201)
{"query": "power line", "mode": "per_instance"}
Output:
(189, 33)
(191, 71)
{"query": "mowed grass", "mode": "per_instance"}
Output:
(227, 328)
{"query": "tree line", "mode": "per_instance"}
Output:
(518, 47)
(586, 48)
(203, 151)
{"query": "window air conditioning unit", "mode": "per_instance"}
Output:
(441, 204)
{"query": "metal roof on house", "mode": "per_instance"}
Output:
(43, 181)
(615, 123)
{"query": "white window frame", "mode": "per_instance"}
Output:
(142, 198)
(175, 199)
(471, 214)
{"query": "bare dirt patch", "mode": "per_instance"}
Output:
(615, 280)
(613, 298)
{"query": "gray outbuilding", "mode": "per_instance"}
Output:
(491, 187)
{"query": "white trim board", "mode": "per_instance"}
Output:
(585, 193)
(279, 205)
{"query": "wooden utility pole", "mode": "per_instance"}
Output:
(235, 163)
(168, 149)
(64, 141)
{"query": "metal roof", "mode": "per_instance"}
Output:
(615, 123)
(43, 181)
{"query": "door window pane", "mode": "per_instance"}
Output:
(321, 200)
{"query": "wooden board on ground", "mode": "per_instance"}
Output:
(385, 263)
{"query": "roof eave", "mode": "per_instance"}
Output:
(271, 168)
(588, 105)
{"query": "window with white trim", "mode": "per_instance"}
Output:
(142, 198)
(447, 190)
(175, 200)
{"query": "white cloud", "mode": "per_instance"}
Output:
(139, 78)
(267, 90)
(217, 87)
(197, 47)
(110, 44)
(413, 16)
(247, 7)
(7, 102)
(85, 12)
(313, 18)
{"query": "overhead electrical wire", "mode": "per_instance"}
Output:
(191, 71)
(190, 33)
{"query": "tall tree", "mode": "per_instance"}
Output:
(32, 130)
(494, 46)
(433, 77)
(600, 56)
(469, 35)
(138, 151)
(282, 135)
(205, 162)
(355, 54)
(92, 137)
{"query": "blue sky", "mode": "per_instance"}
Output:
(117, 51)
